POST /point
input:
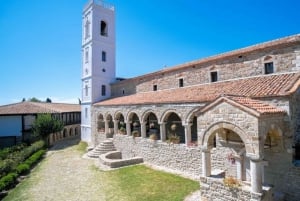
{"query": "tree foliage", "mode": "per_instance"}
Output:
(48, 100)
(45, 124)
(34, 99)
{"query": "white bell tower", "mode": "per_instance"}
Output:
(98, 58)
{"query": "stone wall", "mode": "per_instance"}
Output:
(285, 59)
(213, 189)
(176, 157)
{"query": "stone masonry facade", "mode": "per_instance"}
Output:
(232, 65)
(234, 115)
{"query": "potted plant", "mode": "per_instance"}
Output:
(135, 134)
(122, 131)
(153, 136)
(174, 139)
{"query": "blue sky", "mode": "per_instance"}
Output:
(40, 41)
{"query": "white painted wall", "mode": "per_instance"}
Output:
(10, 126)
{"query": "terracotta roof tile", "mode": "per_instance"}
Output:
(249, 105)
(38, 107)
(260, 86)
(258, 106)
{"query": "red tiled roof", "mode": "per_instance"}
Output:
(281, 42)
(253, 106)
(255, 87)
(38, 107)
(259, 106)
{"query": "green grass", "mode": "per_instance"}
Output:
(81, 147)
(133, 183)
(140, 183)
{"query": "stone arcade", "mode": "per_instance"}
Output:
(231, 115)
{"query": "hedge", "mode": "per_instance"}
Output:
(32, 160)
(8, 181)
(15, 158)
(23, 168)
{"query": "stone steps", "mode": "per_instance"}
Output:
(102, 148)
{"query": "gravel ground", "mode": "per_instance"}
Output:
(65, 175)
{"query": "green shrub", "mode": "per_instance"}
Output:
(8, 181)
(20, 154)
(6, 166)
(4, 153)
(23, 168)
(32, 160)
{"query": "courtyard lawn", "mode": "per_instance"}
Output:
(65, 175)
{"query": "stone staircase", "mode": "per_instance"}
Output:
(102, 148)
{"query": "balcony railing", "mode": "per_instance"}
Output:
(100, 3)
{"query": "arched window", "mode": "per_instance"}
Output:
(86, 55)
(87, 28)
(86, 90)
(103, 28)
(103, 57)
(103, 90)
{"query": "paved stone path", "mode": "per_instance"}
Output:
(65, 175)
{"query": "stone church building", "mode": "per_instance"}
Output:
(233, 115)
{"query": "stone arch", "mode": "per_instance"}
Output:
(167, 113)
(100, 123)
(206, 137)
(77, 131)
(132, 114)
(133, 124)
(174, 128)
(190, 115)
(121, 126)
(71, 132)
(146, 113)
(110, 124)
(268, 58)
(65, 132)
(117, 115)
(149, 118)
(191, 118)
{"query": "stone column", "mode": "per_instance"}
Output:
(128, 128)
(106, 127)
(239, 167)
(116, 123)
(162, 131)
(187, 132)
(256, 175)
(206, 163)
(143, 129)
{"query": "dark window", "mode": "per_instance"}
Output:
(103, 28)
(296, 160)
(87, 29)
(103, 58)
(269, 69)
(86, 90)
(103, 90)
(123, 91)
(181, 82)
(155, 87)
(214, 76)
